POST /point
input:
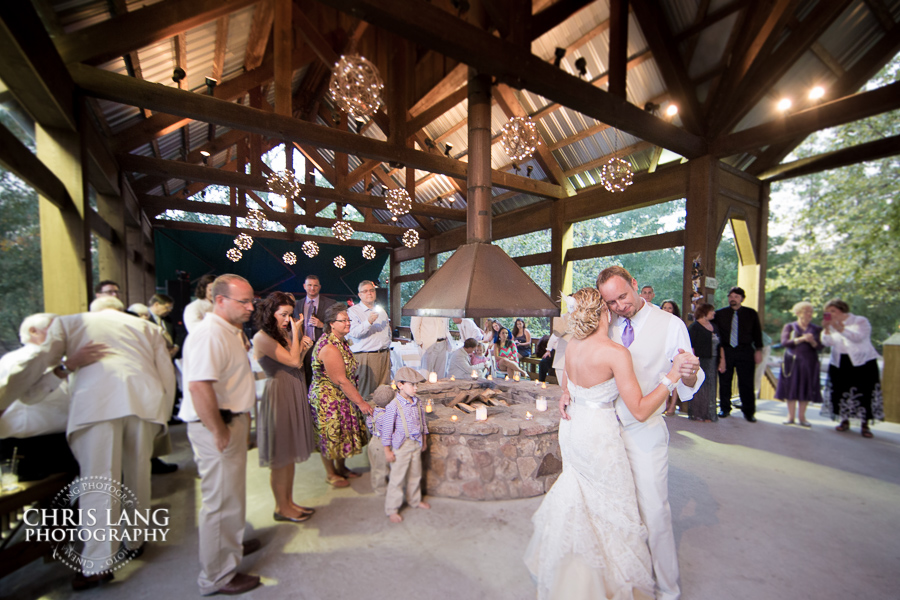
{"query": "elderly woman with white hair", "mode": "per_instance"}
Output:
(798, 383)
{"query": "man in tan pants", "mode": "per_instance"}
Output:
(219, 392)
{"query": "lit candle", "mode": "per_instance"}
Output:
(428, 406)
(541, 404)
(528, 416)
(432, 378)
(453, 378)
(490, 377)
(516, 376)
(507, 378)
(474, 374)
(453, 418)
(536, 382)
(481, 413)
(543, 385)
(393, 385)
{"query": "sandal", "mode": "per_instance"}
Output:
(348, 474)
(866, 433)
(790, 422)
(338, 482)
(844, 426)
(805, 424)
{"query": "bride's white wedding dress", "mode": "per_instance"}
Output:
(589, 542)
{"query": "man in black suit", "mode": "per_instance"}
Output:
(312, 307)
(743, 351)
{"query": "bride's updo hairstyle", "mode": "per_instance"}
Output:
(585, 318)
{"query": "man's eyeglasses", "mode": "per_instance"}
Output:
(241, 302)
(341, 321)
(110, 292)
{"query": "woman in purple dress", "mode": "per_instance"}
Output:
(798, 383)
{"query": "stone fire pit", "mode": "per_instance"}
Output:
(504, 457)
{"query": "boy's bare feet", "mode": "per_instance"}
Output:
(423, 504)
(395, 518)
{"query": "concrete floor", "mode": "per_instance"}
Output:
(760, 510)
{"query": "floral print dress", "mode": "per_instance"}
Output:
(339, 424)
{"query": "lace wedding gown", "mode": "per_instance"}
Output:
(589, 542)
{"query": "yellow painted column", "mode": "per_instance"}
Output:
(111, 256)
(65, 239)
(134, 266)
(561, 240)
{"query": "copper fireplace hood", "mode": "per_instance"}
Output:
(480, 280)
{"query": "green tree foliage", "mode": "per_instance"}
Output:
(844, 226)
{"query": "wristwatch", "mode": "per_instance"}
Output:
(670, 385)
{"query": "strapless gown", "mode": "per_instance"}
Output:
(589, 542)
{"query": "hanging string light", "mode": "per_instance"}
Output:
(410, 238)
(616, 174)
(234, 255)
(368, 251)
(283, 183)
(342, 230)
(340, 262)
(289, 258)
(398, 202)
(519, 138)
(310, 248)
(256, 219)
(243, 241)
(356, 86)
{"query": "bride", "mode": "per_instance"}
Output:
(588, 539)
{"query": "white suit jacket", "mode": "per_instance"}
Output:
(135, 378)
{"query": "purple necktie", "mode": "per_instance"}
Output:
(628, 334)
(310, 310)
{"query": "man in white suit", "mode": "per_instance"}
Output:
(653, 337)
(118, 405)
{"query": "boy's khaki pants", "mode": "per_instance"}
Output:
(378, 466)
(406, 471)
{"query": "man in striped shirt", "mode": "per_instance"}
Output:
(403, 431)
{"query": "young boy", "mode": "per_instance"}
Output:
(382, 396)
(403, 432)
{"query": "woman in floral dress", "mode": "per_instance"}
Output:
(336, 404)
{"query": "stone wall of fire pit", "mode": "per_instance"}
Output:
(504, 457)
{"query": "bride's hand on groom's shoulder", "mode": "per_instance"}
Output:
(563, 403)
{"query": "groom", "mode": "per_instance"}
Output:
(653, 337)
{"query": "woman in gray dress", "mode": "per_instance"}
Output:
(284, 427)
(705, 339)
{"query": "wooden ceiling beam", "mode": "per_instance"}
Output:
(711, 19)
(599, 162)
(18, 159)
(829, 114)
(116, 37)
(769, 69)
(275, 235)
(836, 159)
(424, 118)
(555, 15)
(668, 59)
(431, 27)
(855, 78)
(32, 72)
(260, 32)
(120, 88)
(179, 170)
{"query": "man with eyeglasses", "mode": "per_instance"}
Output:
(107, 288)
(370, 340)
(219, 393)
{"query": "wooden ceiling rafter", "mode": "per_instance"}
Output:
(874, 150)
(669, 60)
(490, 55)
(116, 37)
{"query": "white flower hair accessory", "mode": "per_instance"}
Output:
(570, 303)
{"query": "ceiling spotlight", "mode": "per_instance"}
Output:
(559, 53)
(816, 93)
(211, 83)
(672, 110)
(529, 170)
(462, 6)
(395, 164)
(204, 153)
(360, 119)
(447, 149)
(370, 187)
(784, 104)
(581, 65)
(429, 143)
(178, 74)
(651, 107)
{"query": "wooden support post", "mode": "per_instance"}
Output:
(65, 237)
(701, 228)
(430, 265)
(283, 41)
(111, 255)
(134, 266)
(396, 300)
(478, 221)
(149, 269)
(561, 237)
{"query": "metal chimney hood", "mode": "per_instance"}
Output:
(480, 280)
